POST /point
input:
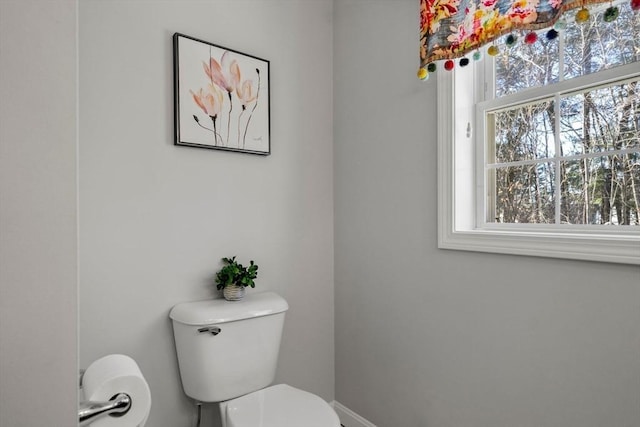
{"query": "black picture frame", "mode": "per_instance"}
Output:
(221, 97)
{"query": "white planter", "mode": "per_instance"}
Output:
(233, 292)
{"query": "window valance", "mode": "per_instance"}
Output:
(451, 29)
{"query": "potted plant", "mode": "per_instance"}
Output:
(233, 278)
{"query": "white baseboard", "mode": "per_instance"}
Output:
(348, 418)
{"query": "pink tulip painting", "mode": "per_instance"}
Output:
(225, 75)
(247, 97)
(221, 98)
(211, 103)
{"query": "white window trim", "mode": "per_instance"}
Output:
(457, 225)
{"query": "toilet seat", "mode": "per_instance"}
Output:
(280, 406)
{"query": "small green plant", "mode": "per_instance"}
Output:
(234, 273)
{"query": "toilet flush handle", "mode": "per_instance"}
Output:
(213, 330)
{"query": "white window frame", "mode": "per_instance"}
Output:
(461, 185)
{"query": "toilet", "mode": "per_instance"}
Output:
(228, 353)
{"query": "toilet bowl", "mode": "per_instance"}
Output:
(227, 353)
(278, 406)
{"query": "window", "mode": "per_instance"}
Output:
(542, 154)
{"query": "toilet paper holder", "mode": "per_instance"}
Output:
(90, 411)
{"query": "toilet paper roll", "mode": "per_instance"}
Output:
(113, 374)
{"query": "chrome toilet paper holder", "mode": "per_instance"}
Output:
(90, 411)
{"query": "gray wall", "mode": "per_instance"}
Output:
(423, 336)
(155, 219)
(428, 337)
(38, 192)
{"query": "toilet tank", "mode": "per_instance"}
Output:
(225, 348)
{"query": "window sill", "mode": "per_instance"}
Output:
(591, 247)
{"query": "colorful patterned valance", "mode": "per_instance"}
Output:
(453, 28)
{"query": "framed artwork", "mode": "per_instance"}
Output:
(221, 97)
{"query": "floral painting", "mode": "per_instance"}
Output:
(221, 97)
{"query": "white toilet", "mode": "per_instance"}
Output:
(228, 352)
